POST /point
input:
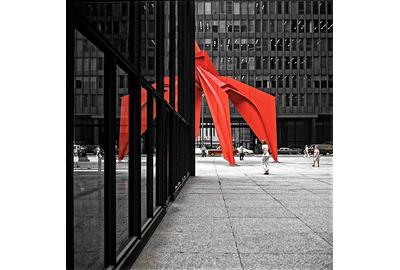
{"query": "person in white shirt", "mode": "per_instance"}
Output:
(316, 155)
(241, 152)
(306, 153)
(265, 156)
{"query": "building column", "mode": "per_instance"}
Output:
(313, 131)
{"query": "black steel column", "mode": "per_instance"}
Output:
(172, 47)
(160, 122)
(109, 159)
(181, 57)
(172, 122)
(150, 152)
(134, 91)
(191, 86)
(70, 137)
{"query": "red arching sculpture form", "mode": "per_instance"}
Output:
(256, 107)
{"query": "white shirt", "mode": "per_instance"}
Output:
(264, 148)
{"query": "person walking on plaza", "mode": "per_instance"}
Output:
(76, 155)
(265, 156)
(306, 153)
(316, 155)
(241, 152)
(203, 151)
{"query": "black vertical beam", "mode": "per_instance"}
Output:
(150, 152)
(160, 145)
(181, 50)
(172, 121)
(70, 137)
(172, 47)
(109, 159)
(134, 91)
(191, 86)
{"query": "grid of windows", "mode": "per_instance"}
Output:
(282, 47)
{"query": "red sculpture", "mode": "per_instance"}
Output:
(256, 107)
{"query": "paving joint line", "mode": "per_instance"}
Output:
(229, 217)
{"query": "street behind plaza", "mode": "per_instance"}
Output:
(235, 217)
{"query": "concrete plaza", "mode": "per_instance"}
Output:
(238, 218)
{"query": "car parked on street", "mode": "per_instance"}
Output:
(289, 151)
(324, 149)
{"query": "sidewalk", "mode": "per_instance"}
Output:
(237, 218)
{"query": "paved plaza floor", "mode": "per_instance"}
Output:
(235, 217)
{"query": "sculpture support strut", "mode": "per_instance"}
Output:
(256, 107)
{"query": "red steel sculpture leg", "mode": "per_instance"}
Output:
(218, 104)
(256, 107)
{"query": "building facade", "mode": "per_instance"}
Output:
(282, 47)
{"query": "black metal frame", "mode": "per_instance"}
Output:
(175, 129)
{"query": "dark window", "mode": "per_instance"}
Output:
(279, 44)
(151, 8)
(308, 7)
(93, 100)
(330, 100)
(78, 84)
(280, 82)
(322, 7)
(330, 44)
(108, 28)
(294, 26)
(301, 7)
(286, 4)
(329, 7)
(308, 62)
(215, 44)
(244, 26)
(215, 27)
(258, 62)
(85, 100)
(315, 7)
(287, 100)
(273, 44)
(287, 44)
(116, 27)
(294, 100)
(294, 62)
(108, 9)
(330, 81)
(287, 62)
(323, 83)
(121, 81)
(330, 26)
(273, 82)
(100, 82)
(101, 9)
(301, 62)
(279, 7)
(124, 9)
(150, 63)
(279, 61)
(316, 84)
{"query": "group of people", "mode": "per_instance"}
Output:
(316, 154)
(265, 154)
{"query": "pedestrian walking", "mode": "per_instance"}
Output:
(265, 156)
(316, 155)
(306, 153)
(241, 152)
(203, 151)
(76, 155)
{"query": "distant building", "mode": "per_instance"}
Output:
(284, 48)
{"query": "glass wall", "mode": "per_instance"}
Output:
(88, 172)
